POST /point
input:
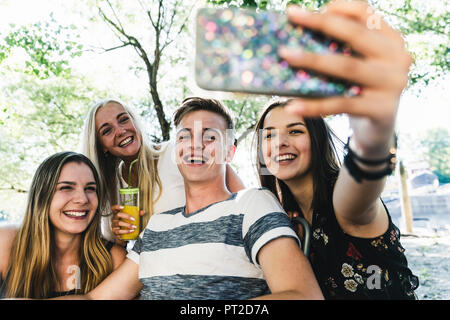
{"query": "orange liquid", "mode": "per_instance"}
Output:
(134, 212)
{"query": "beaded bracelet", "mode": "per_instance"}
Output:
(358, 174)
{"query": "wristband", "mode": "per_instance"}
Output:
(359, 174)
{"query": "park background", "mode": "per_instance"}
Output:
(57, 58)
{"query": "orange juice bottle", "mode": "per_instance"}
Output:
(129, 199)
(134, 212)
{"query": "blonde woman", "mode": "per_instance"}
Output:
(58, 249)
(113, 139)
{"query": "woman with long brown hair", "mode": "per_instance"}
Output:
(58, 249)
(355, 247)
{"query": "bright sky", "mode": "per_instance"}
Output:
(416, 113)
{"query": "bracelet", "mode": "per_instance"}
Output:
(358, 174)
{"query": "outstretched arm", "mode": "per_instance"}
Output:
(381, 69)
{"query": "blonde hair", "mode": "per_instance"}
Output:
(31, 273)
(107, 166)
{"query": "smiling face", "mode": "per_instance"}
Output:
(285, 145)
(201, 148)
(75, 200)
(117, 132)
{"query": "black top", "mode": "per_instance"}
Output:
(54, 294)
(348, 267)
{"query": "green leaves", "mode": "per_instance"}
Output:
(48, 47)
(42, 103)
(436, 142)
(42, 117)
(425, 27)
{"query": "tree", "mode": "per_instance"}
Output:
(48, 46)
(436, 142)
(167, 22)
(425, 26)
(42, 102)
(158, 33)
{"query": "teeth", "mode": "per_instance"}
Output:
(126, 141)
(76, 213)
(195, 159)
(285, 157)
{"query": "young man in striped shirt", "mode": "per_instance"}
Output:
(220, 245)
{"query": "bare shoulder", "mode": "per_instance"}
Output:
(7, 235)
(118, 254)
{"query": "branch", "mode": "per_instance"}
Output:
(151, 19)
(111, 23)
(141, 52)
(245, 134)
(64, 113)
(183, 25)
(118, 47)
(15, 189)
(160, 8)
(240, 114)
(409, 21)
(131, 41)
(115, 15)
(172, 17)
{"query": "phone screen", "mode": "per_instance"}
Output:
(237, 51)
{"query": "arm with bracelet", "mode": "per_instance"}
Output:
(381, 68)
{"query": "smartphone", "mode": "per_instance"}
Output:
(236, 50)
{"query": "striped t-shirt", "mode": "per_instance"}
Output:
(210, 253)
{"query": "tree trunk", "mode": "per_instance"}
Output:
(405, 201)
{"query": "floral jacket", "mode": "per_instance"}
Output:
(347, 267)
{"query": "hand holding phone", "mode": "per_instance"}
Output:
(237, 50)
(381, 68)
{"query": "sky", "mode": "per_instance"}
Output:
(430, 109)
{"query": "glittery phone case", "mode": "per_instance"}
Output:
(236, 50)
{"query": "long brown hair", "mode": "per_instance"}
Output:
(31, 272)
(324, 163)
